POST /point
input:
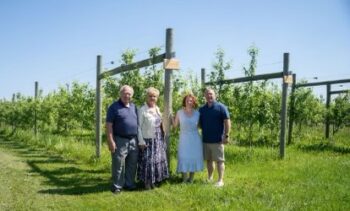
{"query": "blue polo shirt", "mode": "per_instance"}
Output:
(124, 119)
(212, 121)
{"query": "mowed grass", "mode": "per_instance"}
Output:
(36, 177)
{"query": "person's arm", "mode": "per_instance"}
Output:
(176, 120)
(227, 127)
(110, 139)
(142, 143)
(199, 120)
(109, 129)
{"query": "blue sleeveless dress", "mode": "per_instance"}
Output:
(190, 148)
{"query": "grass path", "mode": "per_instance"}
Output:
(35, 179)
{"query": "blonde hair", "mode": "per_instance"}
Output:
(152, 90)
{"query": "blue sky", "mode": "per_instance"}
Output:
(56, 41)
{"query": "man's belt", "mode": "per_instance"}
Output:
(126, 136)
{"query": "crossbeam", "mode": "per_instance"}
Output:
(250, 78)
(143, 63)
(339, 91)
(323, 83)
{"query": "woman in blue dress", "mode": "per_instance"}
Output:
(190, 148)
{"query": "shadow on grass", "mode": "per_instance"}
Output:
(322, 147)
(63, 177)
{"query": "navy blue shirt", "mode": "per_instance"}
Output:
(212, 121)
(124, 119)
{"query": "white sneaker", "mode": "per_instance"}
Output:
(209, 180)
(219, 184)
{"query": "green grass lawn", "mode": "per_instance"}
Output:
(45, 178)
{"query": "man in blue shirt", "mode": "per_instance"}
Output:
(215, 123)
(121, 125)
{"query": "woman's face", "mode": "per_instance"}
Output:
(152, 99)
(189, 102)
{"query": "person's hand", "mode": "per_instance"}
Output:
(172, 119)
(112, 147)
(225, 139)
(142, 147)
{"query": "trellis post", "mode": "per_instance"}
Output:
(98, 107)
(35, 109)
(328, 100)
(168, 91)
(284, 104)
(291, 111)
(203, 77)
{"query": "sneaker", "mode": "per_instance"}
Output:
(209, 180)
(116, 191)
(219, 184)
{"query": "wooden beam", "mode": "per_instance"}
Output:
(168, 103)
(35, 110)
(249, 79)
(291, 111)
(328, 102)
(98, 112)
(284, 105)
(203, 77)
(323, 83)
(339, 92)
(143, 63)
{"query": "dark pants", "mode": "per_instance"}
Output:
(124, 162)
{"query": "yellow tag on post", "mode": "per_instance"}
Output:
(288, 79)
(171, 64)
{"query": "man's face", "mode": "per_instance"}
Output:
(210, 96)
(126, 96)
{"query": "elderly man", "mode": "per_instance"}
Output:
(121, 125)
(215, 123)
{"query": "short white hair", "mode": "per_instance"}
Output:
(126, 87)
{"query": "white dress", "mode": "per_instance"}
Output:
(190, 149)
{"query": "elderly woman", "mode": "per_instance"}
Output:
(153, 165)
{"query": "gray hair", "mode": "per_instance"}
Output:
(207, 89)
(126, 87)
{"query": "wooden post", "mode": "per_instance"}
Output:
(291, 111)
(98, 106)
(35, 108)
(203, 77)
(13, 101)
(328, 100)
(284, 104)
(168, 92)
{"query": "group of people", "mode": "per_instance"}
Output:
(136, 139)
